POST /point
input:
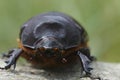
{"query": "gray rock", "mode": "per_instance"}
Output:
(106, 71)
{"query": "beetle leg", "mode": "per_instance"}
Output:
(14, 55)
(86, 59)
(85, 63)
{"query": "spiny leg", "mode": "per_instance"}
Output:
(14, 55)
(85, 60)
(85, 63)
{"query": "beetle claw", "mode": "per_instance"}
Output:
(10, 63)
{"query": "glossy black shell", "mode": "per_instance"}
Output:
(65, 29)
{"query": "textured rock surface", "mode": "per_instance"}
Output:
(107, 71)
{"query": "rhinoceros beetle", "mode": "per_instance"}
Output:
(51, 39)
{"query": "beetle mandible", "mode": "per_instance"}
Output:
(52, 39)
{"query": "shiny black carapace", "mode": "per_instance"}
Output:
(52, 40)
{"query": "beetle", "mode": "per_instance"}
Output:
(52, 40)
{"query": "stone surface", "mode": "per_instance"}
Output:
(106, 71)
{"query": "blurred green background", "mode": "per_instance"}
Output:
(101, 19)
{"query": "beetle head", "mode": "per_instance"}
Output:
(48, 46)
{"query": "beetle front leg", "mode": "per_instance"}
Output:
(85, 63)
(86, 60)
(13, 57)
